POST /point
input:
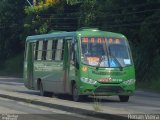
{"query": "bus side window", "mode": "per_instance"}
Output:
(54, 47)
(40, 46)
(36, 51)
(49, 50)
(44, 51)
(72, 50)
(59, 50)
(26, 52)
(62, 51)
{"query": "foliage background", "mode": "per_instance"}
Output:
(139, 20)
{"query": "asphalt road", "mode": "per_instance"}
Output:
(142, 102)
(15, 110)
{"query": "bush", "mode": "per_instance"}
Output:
(152, 80)
(13, 67)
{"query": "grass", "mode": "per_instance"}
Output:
(97, 104)
(31, 101)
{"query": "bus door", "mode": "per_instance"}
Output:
(68, 55)
(53, 80)
(29, 63)
(61, 69)
(72, 62)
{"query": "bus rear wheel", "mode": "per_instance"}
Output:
(42, 92)
(124, 98)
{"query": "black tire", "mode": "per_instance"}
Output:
(42, 92)
(84, 97)
(124, 98)
(64, 96)
(75, 95)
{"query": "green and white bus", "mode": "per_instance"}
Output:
(80, 63)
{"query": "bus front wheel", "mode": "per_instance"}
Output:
(124, 98)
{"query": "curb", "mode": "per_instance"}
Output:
(68, 109)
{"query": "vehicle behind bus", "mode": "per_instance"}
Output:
(81, 63)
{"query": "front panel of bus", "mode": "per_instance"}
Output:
(106, 66)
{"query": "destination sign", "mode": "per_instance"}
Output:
(102, 40)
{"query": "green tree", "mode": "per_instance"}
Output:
(11, 30)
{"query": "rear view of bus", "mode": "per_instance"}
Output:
(106, 65)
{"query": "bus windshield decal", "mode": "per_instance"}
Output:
(93, 60)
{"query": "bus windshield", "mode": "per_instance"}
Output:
(105, 52)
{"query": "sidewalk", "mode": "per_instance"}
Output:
(69, 106)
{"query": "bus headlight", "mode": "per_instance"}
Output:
(87, 80)
(131, 81)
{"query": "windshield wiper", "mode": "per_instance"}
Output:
(101, 59)
(114, 57)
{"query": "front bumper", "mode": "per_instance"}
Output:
(108, 89)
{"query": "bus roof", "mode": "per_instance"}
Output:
(51, 35)
(81, 32)
(97, 32)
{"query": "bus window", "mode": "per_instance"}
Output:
(44, 50)
(49, 50)
(26, 51)
(54, 47)
(58, 49)
(40, 46)
(58, 54)
(36, 50)
(72, 50)
(62, 55)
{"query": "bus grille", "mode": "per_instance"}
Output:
(115, 89)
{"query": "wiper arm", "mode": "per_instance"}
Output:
(97, 67)
(120, 66)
